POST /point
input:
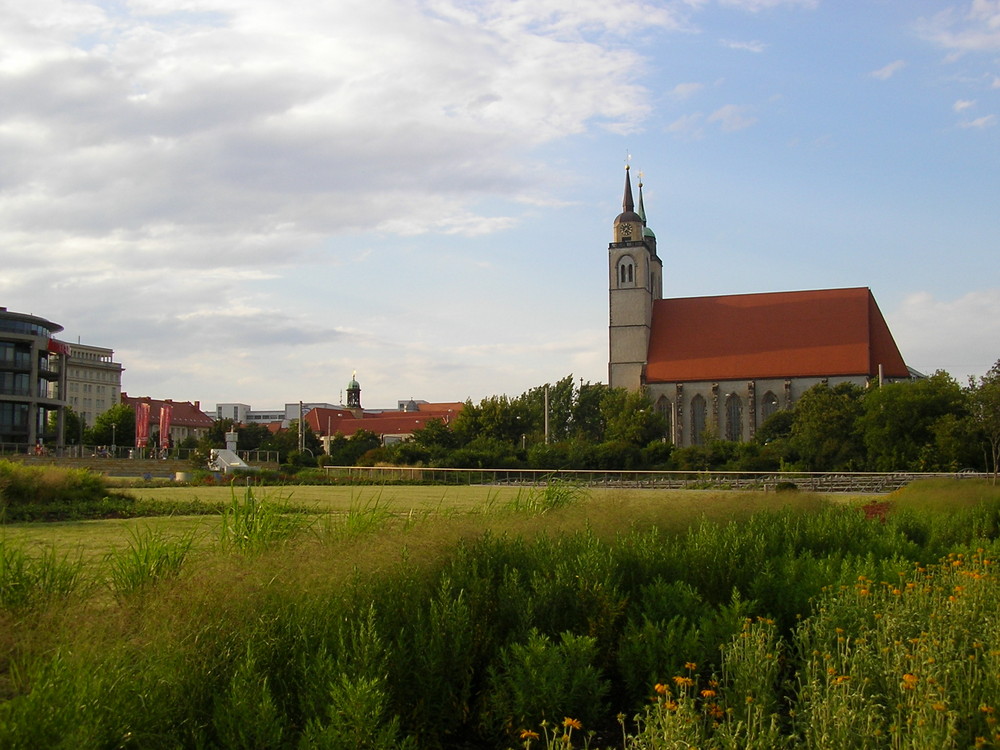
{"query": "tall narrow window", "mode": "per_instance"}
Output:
(699, 411)
(734, 417)
(768, 406)
(664, 410)
(626, 271)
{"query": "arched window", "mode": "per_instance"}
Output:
(768, 406)
(626, 271)
(699, 411)
(734, 417)
(664, 410)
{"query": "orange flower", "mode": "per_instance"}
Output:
(707, 693)
(690, 665)
(661, 688)
(572, 723)
(527, 734)
(683, 681)
(910, 680)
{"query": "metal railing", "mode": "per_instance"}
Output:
(741, 480)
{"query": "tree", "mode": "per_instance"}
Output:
(899, 418)
(984, 402)
(629, 417)
(116, 426)
(73, 425)
(286, 443)
(825, 429)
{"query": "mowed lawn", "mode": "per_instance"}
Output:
(601, 509)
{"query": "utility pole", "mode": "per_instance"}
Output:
(546, 413)
(302, 428)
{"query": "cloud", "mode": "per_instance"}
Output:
(754, 6)
(731, 118)
(956, 335)
(888, 71)
(753, 46)
(963, 104)
(685, 90)
(976, 29)
(987, 121)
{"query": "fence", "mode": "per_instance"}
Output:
(763, 481)
(121, 452)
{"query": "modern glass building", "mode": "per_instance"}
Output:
(32, 381)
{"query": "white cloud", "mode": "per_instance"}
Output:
(974, 29)
(757, 5)
(963, 104)
(987, 121)
(960, 336)
(753, 46)
(731, 118)
(686, 90)
(888, 71)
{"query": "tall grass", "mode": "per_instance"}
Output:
(788, 629)
(28, 581)
(149, 558)
(252, 524)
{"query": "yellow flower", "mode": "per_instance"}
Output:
(683, 681)
(939, 706)
(909, 680)
(690, 665)
(572, 723)
(661, 688)
(707, 693)
(527, 734)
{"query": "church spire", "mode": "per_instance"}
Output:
(628, 205)
(642, 209)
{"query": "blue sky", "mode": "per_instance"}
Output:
(251, 199)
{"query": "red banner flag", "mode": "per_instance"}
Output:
(166, 412)
(141, 424)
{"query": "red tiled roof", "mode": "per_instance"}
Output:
(331, 421)
(820, 333)
(184, 413)
(443, 407)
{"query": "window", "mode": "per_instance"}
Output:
(699, 411)
(663, 409)
(734, 418)
(626, 271)
(768, 405)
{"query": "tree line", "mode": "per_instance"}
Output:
(930, 424)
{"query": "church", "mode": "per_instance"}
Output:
(722, 365)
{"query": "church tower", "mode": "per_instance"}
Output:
(354, 394)
(635, 278)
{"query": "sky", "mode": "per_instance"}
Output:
(250, 200)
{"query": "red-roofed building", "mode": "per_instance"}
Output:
(186, 418)
(724, 364)
(390, 426)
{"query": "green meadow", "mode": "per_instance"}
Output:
(433, 617)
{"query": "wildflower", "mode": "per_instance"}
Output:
(690, 665)
(842, 679)
(715, 712)
(910, 680)
(986, 709)
(661, 688)
(572, 723)
(527, 734)
(707, 693)
(683, 681)
(939, 706)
